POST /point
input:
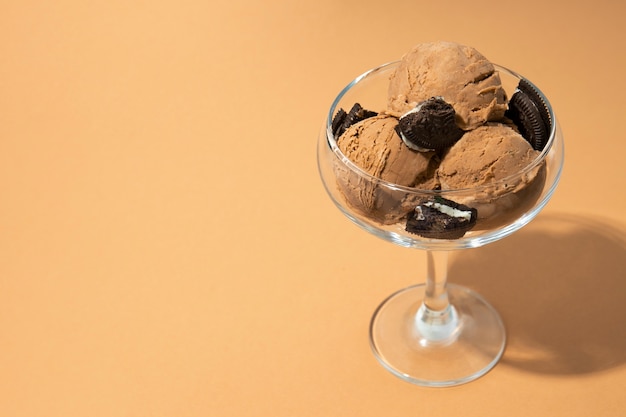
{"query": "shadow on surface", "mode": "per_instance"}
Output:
(560, 287)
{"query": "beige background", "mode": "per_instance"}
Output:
(167, 248)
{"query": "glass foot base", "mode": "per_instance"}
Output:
(471, 350)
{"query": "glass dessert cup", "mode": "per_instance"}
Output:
(435, 334)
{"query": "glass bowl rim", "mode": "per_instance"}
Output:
(512, 179)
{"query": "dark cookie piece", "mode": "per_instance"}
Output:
(343, 120)
(523, 112)
(530, 114)
(337, 122)
(429, 126)
(440, 218)
(534, 95)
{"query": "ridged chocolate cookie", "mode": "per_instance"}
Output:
(440, 218)
(430, 126)
(342, 120)
(529, 112)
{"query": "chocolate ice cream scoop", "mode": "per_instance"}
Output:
(374, 146)
(484, 156)
(458, 73)
(493, 160)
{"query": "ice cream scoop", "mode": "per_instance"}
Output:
(494, 156)
(485, 155)
(459, 74)
(375, 147)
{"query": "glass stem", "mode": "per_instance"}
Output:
(436, 319)
(436, 298)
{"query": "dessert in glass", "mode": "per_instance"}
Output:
(440, 151)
